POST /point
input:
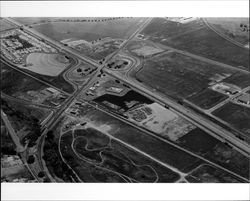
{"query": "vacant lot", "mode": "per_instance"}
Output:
(231, 27)
(177, 75)
(210, 174)
(207, 98)
(240, 79)
(236, 115)
(13, 82)
(89, 31)
(201, 41)
(4, 25)
(57, 81)
(144, 142)
(110, 161)
(200, 142)
(46, 64)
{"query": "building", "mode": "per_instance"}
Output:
(244, 98)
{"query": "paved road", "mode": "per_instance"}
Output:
(168, 142)
(37, 79)
(230, 99)
(201, 122)
(223, 35)
(51, 123)
(201, 58)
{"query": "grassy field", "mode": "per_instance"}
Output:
(210, 174)
(9, 74)
(110, 161)
(89, 31)
(240, 79)
(207, 98)
(144, 142)
(4, 25)
(231, 27)
(236, 115)
(13, 82)
(177, 75)
(201, 41)
(198, 141)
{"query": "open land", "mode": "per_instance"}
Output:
(5, 25)
(236, 115)
(209, 174)
(36, 58)
(198, 39)
(234, 28)
(101, 159)
(95, 39)
(128, 100)
(179, 76)
(198, 141)
(19, 85)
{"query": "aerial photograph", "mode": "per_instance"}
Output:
(125, 100)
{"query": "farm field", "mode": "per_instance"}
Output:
(210, 174)
(207, 98)
(100, 159)
(200, 142)
(201, 41)
(177, 75)
(236, 115)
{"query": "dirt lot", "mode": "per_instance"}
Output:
(46, 64)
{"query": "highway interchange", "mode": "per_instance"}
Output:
(196, 119)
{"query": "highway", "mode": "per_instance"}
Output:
(201, 58)
(146, 131)
(208, 126)
(51, 123)
(199, 121)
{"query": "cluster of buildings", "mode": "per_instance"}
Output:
(141, 113)
(244, 99)
(49, 94)
(226, 88)
(15, 44)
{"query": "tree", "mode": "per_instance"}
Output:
(41, 174)
(31, 159)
